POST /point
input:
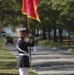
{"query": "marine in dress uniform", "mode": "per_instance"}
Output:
(22, 46)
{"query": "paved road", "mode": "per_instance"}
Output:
(53, 62)
(50, 61)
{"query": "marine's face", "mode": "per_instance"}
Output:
(21, 34)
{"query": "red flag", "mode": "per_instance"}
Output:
(30, 8)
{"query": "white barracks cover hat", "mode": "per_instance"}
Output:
(21, 29)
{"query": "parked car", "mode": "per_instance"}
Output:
(9, 40)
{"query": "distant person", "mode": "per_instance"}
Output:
(23, 60)
(36, 45)
(3, 34)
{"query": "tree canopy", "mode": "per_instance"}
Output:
(53, 13)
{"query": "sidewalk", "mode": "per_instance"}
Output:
(50, 61)
(53, 62)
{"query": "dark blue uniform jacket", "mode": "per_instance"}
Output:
(22, 47)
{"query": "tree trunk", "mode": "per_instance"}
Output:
(37, 31)
(49, 36)
(69, 37)
(44, 35)
(55, 37)
(34, 31)
(60, 36)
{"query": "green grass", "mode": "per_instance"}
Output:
(8, 62)
(52, 44)
(70, 50)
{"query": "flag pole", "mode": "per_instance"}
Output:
(28, 23)
(30, 9)
(28, 33)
